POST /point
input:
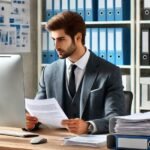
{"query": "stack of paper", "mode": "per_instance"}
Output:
(136, 124)
(87, 140)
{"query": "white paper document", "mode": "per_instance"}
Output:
(48, 111)
(87, 140)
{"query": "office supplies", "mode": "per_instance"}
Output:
(17, 133)
(111, 45)
(65, 5)
(101, 10)
(145, 47)
(122, 9)
(122, 46)
(44, 46)
(87, 140)
(12, 106)
(110, 10)
(94, 39)
(102, 42)
(88, 38)
(38, 140)
(126, 80)
(49, 9)
(73, 5)
(146, 10)
(81, 8)
(57, 7)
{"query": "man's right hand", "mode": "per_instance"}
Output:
(31, 121)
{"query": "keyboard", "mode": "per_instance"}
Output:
(17, 133)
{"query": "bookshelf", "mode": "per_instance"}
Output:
(141, 70)
(126, 69)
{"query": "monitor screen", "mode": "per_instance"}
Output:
(12, 104)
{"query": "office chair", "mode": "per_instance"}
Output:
(128, 96)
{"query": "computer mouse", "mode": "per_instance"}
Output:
(38, 140)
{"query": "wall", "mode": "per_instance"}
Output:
(30, 59)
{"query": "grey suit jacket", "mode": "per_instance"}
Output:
(101, 93)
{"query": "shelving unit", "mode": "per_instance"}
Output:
(140, 69)
(126, 69)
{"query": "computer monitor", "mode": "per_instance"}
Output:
(12, 103)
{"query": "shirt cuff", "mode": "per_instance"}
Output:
(94, 126)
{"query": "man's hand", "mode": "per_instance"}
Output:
(31, 121)
(77, 126)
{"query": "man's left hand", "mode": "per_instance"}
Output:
(77, 126)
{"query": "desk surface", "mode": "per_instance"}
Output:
(54, 137)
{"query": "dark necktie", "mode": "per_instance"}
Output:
(72, 85)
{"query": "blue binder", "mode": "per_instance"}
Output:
(122, 9)
(101, 10)
(73, 5)
(65, 5)
(102, 43)
(111, 45)
(44, 46)
(122, 46)
(80, 8)
(110, 10)
(57, 6)
(51, 50)
(49, 9)
(94, 39)
(89, 10)
(88, 38)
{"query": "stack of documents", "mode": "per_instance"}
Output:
(87, 140)
(136, 124)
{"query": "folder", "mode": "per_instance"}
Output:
(122, 46)
(65, 5)
(80, 8)
(111, 45)
(146, 10)
(44, 46)
(110, 10)
(126, 80)
(51, 50)
(101, 10)
(57, 6)
(49, 9)
(145, 46)
(122, 9)
(94, 39)
(102, 43)
(88, 38)
(73, 5)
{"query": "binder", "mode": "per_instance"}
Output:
(88, 38)
(122, 9)
(89, 10)
(146, 10)
(110, 10)
(80, 8)
(44, 46)
(101, 10)
(49, 9)
(122, 46)
(65, 5)
(73, 5)
(145, 56)
(94, 39)
(57, 6)
(126, 80)
(51, 50)
(102, 43)
(111, 45)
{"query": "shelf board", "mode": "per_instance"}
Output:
(125, 66)
(144, 67)
(145, 21)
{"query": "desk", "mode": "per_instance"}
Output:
(54, 136)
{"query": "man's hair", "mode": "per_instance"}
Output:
(71, 22)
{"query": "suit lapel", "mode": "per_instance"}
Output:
(89, 77)
(59, 81)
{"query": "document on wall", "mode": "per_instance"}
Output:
(48, 111)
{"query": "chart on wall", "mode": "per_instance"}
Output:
(14, 26)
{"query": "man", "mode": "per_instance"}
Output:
(98, 87)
